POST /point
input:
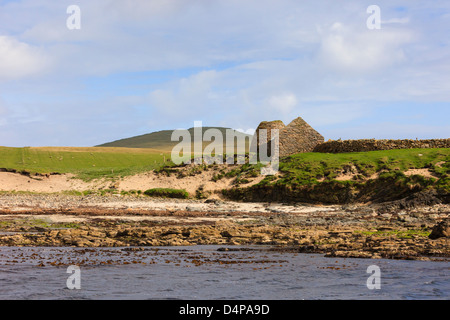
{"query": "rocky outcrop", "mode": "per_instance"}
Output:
(298, 136)
(341, 146)
(387, 191)
(440, 230)
(347, 231)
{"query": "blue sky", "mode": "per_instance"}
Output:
(140, 66)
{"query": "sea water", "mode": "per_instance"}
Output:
(212, 272)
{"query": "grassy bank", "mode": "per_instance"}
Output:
(309, 168)
(348, 177)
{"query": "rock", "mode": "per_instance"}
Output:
(122, 233)
(386, 215)
(274, 210)
(83, 243)
(96, 234)
(440, 230)
(226, 234)
(215, 201)
(307, 249)
(171, 231)
(407, 219)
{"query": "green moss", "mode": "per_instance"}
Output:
(402, 234)
(43, 223)
(5, 224)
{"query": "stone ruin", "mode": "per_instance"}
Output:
(298, 136)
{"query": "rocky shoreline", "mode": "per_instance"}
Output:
(357, 231)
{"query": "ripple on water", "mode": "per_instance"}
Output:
(204, 272)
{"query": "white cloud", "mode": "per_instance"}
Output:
(331, 113)
(185, 96)
(283, 103)
(396, 20)
(351, 50)
(19, 59)
(389, 130)
(226, 62)
(3, 112)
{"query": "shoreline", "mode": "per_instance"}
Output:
(356, 230)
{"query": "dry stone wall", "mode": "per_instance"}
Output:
(259, 140)
(341, 146)
(298, 136)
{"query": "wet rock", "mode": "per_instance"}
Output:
(415, 200)
(440, 230)
(307, 249)
(123, 233)
(172, 231)
(214, 201)
(226, 234)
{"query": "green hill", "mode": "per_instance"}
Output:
(161, 140)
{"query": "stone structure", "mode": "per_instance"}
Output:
(298, 136)
(341, 146)
(259, 140)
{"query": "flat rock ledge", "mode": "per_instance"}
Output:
(334, 231)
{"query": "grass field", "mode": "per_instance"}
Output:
(85, 163)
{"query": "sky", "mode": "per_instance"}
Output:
(135, 67)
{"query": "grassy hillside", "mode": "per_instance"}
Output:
(161, 140)
(86, 163)
(309, 168)
(349, 177)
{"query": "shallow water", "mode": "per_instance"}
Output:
(203, 272)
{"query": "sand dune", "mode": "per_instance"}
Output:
(67, 182)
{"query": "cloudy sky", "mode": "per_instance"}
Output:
(140, 66)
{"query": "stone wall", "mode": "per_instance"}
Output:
(269, 126)
(298, 136)
(341, 146)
